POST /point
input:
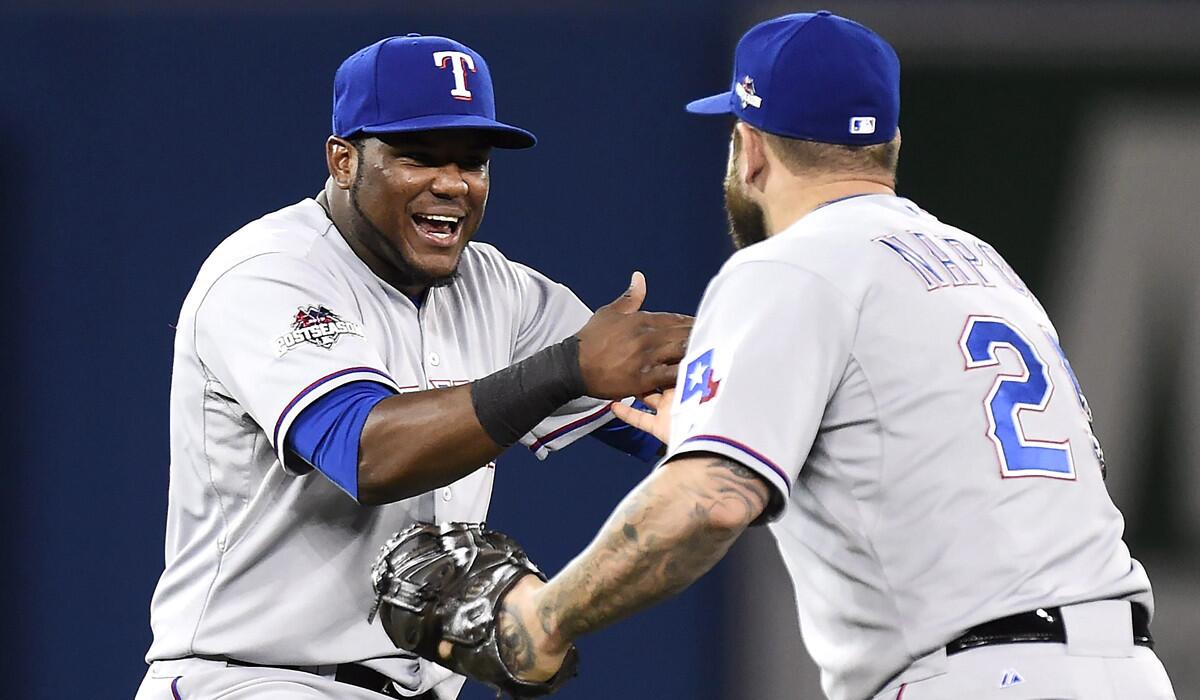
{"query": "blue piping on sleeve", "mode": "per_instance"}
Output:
(327, 432)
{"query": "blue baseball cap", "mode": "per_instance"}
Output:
(813, 76)
(419, 83)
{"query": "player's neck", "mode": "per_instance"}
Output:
(801, 196)
(337, 209)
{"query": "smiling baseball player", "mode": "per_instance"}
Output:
(883, 389)
(350, 365)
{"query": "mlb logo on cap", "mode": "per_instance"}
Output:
(813, 76)
(862, 125)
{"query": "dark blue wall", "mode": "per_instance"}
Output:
(132, 145)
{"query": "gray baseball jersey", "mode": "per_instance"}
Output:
(931, 456)
(267, 561)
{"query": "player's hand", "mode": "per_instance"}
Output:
(624, 351)
(657, 423)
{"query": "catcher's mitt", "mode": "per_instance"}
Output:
(444, 583)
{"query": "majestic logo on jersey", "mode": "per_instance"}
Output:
(317, 325)
(1010, 678)
(699, 379)
(745, 92)
(459, 63)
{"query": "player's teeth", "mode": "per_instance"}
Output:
(435, 217)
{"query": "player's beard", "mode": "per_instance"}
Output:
(404, 273)
(747, 223)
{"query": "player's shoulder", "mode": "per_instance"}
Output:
(485, 263)
(479, 255)
(845, 225)
(837, 241)
(282, 242)
(290, 231)
(486, 273)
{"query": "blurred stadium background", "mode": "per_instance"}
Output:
(138, 134)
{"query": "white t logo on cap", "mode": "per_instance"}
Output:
(459, 63)
(862, 125)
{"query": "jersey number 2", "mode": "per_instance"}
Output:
(1013, 393)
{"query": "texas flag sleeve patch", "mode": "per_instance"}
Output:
(699, 380)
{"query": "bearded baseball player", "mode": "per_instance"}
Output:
(884, 390)
(352, 364)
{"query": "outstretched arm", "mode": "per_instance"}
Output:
(666, 534)
(414, 442)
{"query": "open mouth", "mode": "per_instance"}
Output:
(438, 229)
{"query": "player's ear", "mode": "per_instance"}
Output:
(753, 155)
(341, 157)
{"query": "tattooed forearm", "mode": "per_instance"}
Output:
(667, 533)
(516, 645)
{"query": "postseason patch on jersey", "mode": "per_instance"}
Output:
(317, 325)
(700, 379)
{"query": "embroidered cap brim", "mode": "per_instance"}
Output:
(500, 135)
(716, 104)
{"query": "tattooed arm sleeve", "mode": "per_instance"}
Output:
(667, 533)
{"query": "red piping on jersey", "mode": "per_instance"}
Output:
(556, 434)
(744, 448)
(309, 389)
(175, 688)
(901, 693)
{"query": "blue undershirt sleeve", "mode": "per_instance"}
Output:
(629, 439)
(326, 433)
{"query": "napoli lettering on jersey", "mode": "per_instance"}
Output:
(944, 261)
(459, 63)
(317, 325)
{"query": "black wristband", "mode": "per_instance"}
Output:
(509, 403)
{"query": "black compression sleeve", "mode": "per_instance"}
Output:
(509, 403)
